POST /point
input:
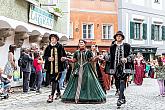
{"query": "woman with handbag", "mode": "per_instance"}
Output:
(11, 65)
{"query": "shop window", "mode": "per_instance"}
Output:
(88, 31)
(107, 31)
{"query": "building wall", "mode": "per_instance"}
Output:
(95, 12)
(98, 20)
(15, 9)
(18, 10)
(62, 23)
(15, 12)
(149, 12)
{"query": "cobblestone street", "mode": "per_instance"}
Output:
(143, 97)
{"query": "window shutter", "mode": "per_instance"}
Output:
(144, 31)
(163, 32)
(152, 32)
(132, 30)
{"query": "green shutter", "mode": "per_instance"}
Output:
(152, 32)
(163, 32)
(144, 31)
(132, 30)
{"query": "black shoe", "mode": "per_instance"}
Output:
(50, 99)
(58, 96)
(117, 93)
(38, 91)
(119, 102)
(123, 99)
(32, 89)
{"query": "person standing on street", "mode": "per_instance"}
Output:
(121, 58)
(25, 66)
(139, 68)
(37, 62)
(53, 64)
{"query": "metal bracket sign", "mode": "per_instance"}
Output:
(41, 17)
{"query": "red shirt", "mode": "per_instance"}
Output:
(36, 65)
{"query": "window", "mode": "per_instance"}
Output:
(157, 32)
(71, 30)
(107, 31)
(157, 1)
(88, 31)
(137, 30)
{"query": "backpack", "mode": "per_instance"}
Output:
(22, 63)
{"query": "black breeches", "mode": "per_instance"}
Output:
(55, 86)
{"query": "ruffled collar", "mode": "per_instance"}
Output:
(119, 44)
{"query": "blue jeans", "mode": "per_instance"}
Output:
(39, 79)
(26, 81)
(61, 81)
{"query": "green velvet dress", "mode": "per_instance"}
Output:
(83, 86)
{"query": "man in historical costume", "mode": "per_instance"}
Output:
(120, 64)
(53, 64)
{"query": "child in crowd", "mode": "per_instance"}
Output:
(4, 84)
(37, 62)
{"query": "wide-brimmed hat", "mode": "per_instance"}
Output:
(119, 33)
(54, 35)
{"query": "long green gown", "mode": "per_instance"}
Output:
(83, 86)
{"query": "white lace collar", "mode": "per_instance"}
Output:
(53, 44)
(119, 44)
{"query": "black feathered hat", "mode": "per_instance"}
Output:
(119, 33)
(54, 35)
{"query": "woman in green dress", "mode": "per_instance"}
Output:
(83, 86)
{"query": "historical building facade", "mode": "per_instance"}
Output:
(143, 22)
(23, 22)
(94, 21)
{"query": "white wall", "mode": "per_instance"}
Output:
(157, 6)
(4, 50)
(138, 2)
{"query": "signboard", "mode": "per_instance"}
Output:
(143, 50)
(41, 17)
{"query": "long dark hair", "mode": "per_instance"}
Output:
(12, 48)
(36, 54)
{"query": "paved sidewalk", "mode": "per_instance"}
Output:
(143, 97)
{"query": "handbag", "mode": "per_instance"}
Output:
(8, 69)
(16, 75)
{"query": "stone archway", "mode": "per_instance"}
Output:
(45, 40)
(21, 33)
(35, 37)
(5, 31)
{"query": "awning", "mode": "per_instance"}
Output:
(7, 22)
